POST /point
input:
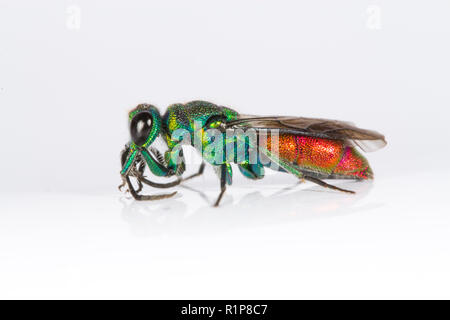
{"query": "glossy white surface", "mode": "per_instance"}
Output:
(70, 71)
(391, 240)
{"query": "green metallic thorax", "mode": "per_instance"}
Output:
(194, 117)
(185, 116)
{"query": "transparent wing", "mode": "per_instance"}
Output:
(367, 140)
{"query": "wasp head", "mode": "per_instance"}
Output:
(145, 125)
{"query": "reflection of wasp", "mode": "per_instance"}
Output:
(311, 149)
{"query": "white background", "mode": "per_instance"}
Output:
(70, 71)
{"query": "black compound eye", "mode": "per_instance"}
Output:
(140, 128)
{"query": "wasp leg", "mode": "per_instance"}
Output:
(141, 179)
(159, 185)
(199, 173)
(202, 194)
(326, 185)
(140, 186)
(223, 183)
(136, 171)
(139, 197)
(140, 171)
(123, 184)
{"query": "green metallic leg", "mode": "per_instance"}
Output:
(156, 168)
(136, 167)
(223, 183)
(136, 171)
(291, 169)
(251, 171)
(326, 185)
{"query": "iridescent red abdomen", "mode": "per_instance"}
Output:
(323, 156)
